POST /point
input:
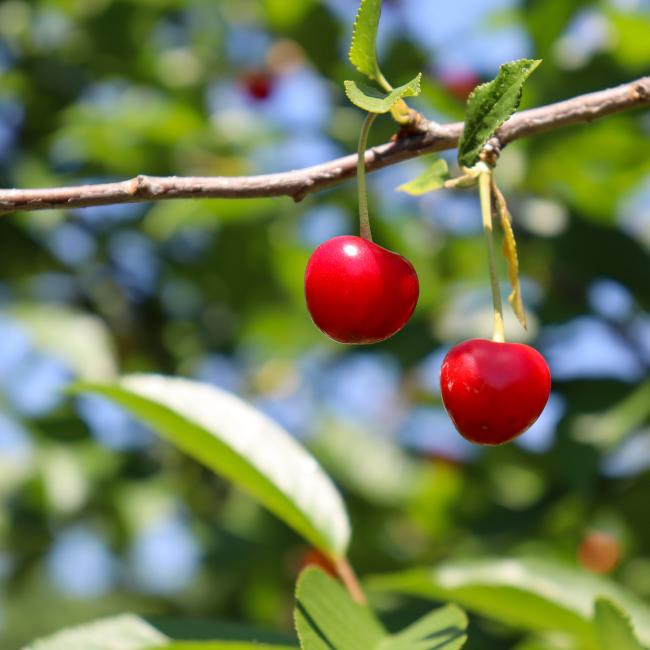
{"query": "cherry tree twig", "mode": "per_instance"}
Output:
(423, 137)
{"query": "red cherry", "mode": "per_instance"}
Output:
(258, 85)
(359, 292)
(459, 83)
(599, 552)
(494, 391)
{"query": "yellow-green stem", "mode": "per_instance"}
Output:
(364, 219)
(485, 189)
(382, 81)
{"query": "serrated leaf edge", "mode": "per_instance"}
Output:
(405, 187)
(372, 74)
(411, 88)
(625, 617)
(534, 64)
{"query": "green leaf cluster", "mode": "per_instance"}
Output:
(326, 617)
(363, 55)
(531, 594)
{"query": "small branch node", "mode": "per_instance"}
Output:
(491, 152)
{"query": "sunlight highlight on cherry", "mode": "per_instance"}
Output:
(359, 292)
(494, 391)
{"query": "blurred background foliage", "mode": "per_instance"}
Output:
(97, 515)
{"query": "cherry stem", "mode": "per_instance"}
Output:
(485, 191)
(350, 580)
(364, 219)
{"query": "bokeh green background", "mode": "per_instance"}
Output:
(97, 515)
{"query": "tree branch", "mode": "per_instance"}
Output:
(428, 137)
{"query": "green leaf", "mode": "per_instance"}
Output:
(327, 618)
(433, 178)
(126, 632)
(510, 253)
(442, 629)
(79, 340)
(130, 632)
(363, 50)
(613, 627)
(374, 101)
(490, 105)
(219, 645)
(235, 440)
(532, 594)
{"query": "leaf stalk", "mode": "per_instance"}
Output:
(364, 218)
(485, 193)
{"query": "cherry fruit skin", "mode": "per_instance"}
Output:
(258, 85)
(494, 391)
(359, 292)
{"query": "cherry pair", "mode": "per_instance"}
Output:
(358, 292)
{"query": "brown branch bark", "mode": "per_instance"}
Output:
(428, 138)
